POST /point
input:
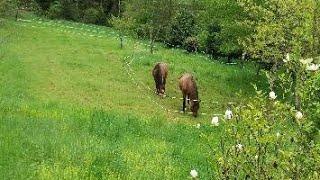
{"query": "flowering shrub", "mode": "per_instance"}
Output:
(191, 44)
(303, 78)
(310, 99)
(266, 139)
(228, 114)
(272, 95)
(215, 121)
(194, 173)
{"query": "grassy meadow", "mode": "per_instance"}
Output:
(73, 105)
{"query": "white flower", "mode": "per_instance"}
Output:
(228, 114)
(272, 95)
(278, 134)
(306, 61)
(313, 67)
(194, 173)
(299, 115)
(215, 121)
(198, 126)
(256, 157)
(239, 147)
(287, 58)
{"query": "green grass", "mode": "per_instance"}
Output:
(69, 109)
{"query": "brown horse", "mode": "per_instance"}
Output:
(188, 87)
(160, 73)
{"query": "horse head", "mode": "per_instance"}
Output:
(195, 105)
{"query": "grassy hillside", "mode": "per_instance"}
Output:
(74, 105)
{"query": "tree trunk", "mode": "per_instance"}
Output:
(296, 83)
(273, 75)
(17, 13)
(119, 16)
(121, 40)
(151, 40)
(316, 29)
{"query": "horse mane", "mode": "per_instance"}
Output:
(194, 90)
(158, 75)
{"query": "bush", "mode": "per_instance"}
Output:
(55, 10)
(213, 41)
(91, 15)
(311, 98)
(266, 140)
(70, 11)
(182, 27)
(191, 44)
(7, 8)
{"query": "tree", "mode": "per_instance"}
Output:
(122, 24)
(19, 5)
(181, 27)
(217, 19)
(119, 16)
(151, 17)
(281, 29)
(316, 28)
(278, 27)
(7, 8)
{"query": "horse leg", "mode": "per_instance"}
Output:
(184, 103)
(157, 86)
(164, 84)
(188, 100)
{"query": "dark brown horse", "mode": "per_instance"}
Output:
(188, 87)
(160, 73)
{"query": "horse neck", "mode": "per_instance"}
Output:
(159, 78)
(194, 94)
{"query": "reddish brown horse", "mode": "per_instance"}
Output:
(188, 86)
(160, 73)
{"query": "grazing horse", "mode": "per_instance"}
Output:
(188, 87)
(160, 73)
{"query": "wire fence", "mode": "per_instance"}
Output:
(103, 32)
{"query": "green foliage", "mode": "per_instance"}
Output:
(191, 44)
(44, 4)
(122, 24)
(219, 19)
(305, 85)
(55, 10)
(151, 18)
(69, 110)
(7, 8)
(91, 15)
(278, 27)
(63, 9)
(182, 27)
(97, 11)
(166, 21)
(213, 40)
(264, 140)
(311, 98)
(150, 15)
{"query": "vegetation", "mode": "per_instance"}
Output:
(76, 104)
(69, 109)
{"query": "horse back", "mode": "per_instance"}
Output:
(160, 70)
(187, 84)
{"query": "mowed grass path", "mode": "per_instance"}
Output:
(69, 109)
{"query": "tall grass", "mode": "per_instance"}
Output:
(68, 108)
